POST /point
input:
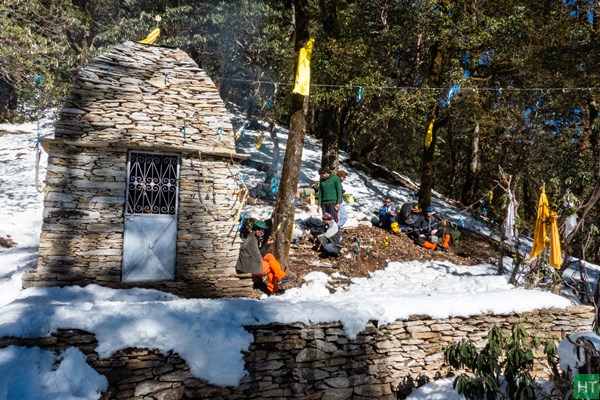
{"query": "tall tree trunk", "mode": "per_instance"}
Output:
(330, 128)
(427, 168)
(329, 119)
(275, 161)
(468, 188)
(428, 157)
(284, 218)
(8, 101)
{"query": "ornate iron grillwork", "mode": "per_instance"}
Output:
(152, 183)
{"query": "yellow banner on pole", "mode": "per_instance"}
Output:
(429, 136)
(555, 253)
(540, 236)
(302, 85)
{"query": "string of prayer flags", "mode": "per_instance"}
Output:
(38, 80)
(429, 136)
(259, 140)
(302, 83)
(359, 94)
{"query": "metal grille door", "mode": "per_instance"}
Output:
(150, 237)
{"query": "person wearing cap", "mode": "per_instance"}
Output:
(427, 230)
(329, 198)
(330, 242)
(250, 259)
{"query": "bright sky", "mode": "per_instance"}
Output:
(208, 333)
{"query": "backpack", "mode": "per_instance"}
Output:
(404, 212)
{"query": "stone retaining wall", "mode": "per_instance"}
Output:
(316, 361)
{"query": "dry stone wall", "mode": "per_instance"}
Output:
(150, 99)
(316, 361)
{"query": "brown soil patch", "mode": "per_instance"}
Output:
(373, 254)
(7, 242)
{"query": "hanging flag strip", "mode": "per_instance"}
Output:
(359, 94)
(555, 253)
(540, 234)
(509, 222)
(220, 133)
(275, 185)
(302, 83)
(259, 140)
(429, 136)
(151, 38)
(240, 132)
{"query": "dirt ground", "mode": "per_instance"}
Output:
(373, 254)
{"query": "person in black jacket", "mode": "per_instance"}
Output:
(427, 229)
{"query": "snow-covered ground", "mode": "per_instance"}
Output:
(209, 334)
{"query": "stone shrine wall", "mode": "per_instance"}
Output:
(152, 99)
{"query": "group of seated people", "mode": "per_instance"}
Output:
(425, 228)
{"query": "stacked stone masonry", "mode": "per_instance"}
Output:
(316, 361)
(151, 99)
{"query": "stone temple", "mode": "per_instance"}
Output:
(143, 186)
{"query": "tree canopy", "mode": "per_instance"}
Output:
(505, 86)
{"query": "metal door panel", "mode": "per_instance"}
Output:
(149, 247)
(150, 235)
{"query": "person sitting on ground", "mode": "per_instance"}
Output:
(330, 242)
(428, 229)
(407, 215)
(387, 214)
(250, 260)
(330, 193)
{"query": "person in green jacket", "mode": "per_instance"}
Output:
(330, 193)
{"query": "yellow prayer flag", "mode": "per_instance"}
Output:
(429, 136)
(555, 253)
(151, 37)
(540, 235)
(302, 85)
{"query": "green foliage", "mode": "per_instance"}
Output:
(405, 55)
(503, 367)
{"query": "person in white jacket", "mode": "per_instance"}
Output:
(330, 242)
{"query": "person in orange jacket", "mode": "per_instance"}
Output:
(250, 260)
